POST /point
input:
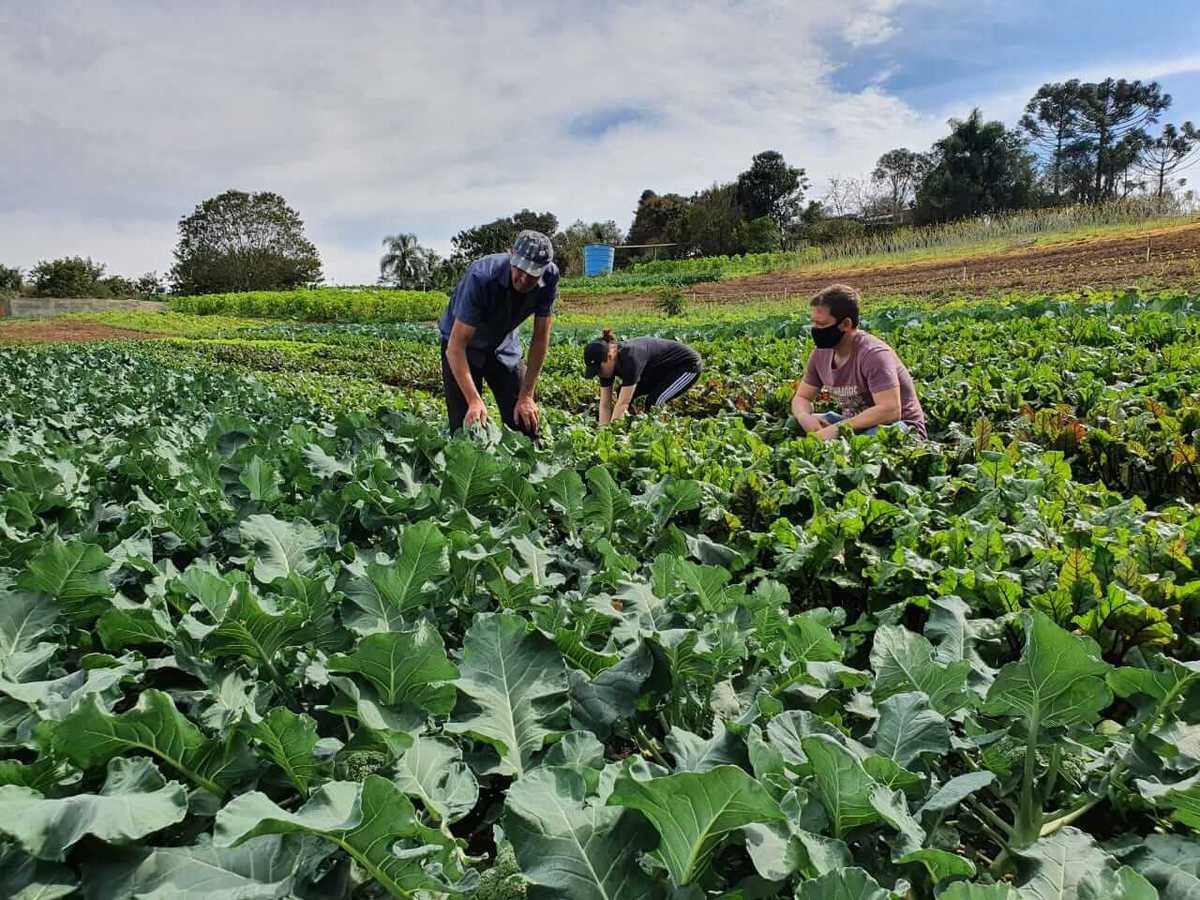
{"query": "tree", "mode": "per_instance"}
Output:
(980, 167)
(759, 235)
(498, 236)
(10, 280)
(659, 219)
(1113, 114)
(770, 187)
(243, 242)
(839, 197)
(71, 276)
(569, 243)
(1174, 150)
(150, 285)
(115, 286)
(447, 273)
(711, 224)
(1052, 121)
(901, 172)
(405, 263)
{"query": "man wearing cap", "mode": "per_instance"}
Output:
(479, 333)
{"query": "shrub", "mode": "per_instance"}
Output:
(670, 301)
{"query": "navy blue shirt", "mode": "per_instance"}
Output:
(485, 298)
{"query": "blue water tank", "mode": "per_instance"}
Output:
(597, 259)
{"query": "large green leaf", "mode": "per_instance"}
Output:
(1182, 798)
(780, 851)
(90, 737)
(470, 476)
(386, 594)
(361, 702)
(432, 770)
(74, 573)
(956, 790)
(203, 584)
(135, 801)
(405, 667)
(693, 753)
(961, 890)
(606, 501)
(1057, 682)
(693, 812)
(613, 694)
(371, 822)
(842, 884)
(788, 730)
(515, 689)
(564, 492)
(904, 661)
(570, 847)
(1053, 867)
(939, 864)
(841, 784)
(22, 877)
(909, 729)
(249, 630)
(262, 480)
(133, 627)
(1170, 862)
(809, 639)
(25, 618)
(263, 867)
(290, 741)
(280, 548)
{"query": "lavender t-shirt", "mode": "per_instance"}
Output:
(872, 367)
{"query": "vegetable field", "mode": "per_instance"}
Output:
(266, 631)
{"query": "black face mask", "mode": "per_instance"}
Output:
(828, 337)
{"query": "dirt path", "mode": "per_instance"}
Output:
(52, 331)
(1173, 259)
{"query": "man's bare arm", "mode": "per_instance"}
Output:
(802, 407)
(886, 410)
(537, 354)
(456, 356)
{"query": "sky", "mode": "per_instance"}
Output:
(118, 118)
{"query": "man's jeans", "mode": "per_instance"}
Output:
(833, 418)
(504, 381)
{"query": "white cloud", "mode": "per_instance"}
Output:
(1008, 105)
(419, 117)
(873, 24)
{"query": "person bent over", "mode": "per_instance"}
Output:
(479, 333)
(655, 368)
(859, 371)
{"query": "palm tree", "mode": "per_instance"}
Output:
(405, 262)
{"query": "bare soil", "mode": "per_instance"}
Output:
(50, 331)
(1173, 260)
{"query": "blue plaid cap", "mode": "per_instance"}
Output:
(532, 252)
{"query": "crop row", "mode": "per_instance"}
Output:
(1113, 385)
(319, 305)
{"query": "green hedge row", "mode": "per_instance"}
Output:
(319, 305)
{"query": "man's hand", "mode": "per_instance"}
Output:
(811, 422)
(526, 413)
(476, 413)
(828, 433)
